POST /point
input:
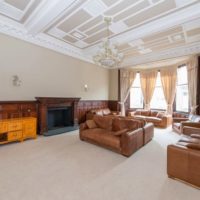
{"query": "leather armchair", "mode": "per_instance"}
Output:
(183, 161)
(179, 123)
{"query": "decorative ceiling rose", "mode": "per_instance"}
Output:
(108, 55)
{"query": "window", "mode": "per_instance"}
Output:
(136, 98)
(158, 99)
(182, 100)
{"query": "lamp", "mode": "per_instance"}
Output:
(108, 54)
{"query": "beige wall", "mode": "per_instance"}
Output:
(46, 73)
(113, 84)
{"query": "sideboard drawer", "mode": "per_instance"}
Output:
(15, 135)
(29, 129)
(14, 126)
(3, 127)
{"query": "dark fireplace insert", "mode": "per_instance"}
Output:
(59, 117)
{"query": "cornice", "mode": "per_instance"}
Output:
(42, 40)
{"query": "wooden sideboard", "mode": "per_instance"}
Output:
(17, 129)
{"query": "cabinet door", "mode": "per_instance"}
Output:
(14, 136)
(14, 126)
(29, 129)
(3, 127)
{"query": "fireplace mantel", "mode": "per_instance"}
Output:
(50, 102)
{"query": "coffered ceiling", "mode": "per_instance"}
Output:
(144, 30)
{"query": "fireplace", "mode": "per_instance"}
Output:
(57, 115)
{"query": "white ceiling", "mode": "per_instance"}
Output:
(144, 30)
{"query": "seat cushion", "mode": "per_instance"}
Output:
(153, 119)
(103, 137)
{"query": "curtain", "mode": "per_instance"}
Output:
(168, 80)
(148, 82)
(192, 69)
(126, 80)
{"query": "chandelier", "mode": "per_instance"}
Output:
(108, 55)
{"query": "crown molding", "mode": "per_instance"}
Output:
(42, 40)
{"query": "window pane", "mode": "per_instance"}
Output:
(182, 75)
(136, 98)
(136, 82)
(182, 98)
(158, 99)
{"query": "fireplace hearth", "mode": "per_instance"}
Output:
(57, 115)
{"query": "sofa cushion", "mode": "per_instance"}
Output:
(160, 114)
(137, 112)
(145, 112)
(196, 118)
(102, 136)
(106, 111)
(99, 112)
(103, 122)
(153, 113)
(91, 124)
(122, 123)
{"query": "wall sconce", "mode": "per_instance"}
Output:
(86, 87)
(16, 81)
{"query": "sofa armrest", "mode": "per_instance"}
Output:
(179, 119)
(167, 120)
(188, 130)
(83, 126)
(192, 124)
(131, 141)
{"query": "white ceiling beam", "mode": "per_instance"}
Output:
(45, 14)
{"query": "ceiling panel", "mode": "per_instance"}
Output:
(91, 23)
(193, 32)
(20, 4)
(132, 10)
(96, 37)
(151, 12)
(96, 29)
(76, 19)
(119, 7)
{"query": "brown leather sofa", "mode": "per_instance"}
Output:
(183, 160)
(102, 112)
(192, 121)
(158, 118)
(119, 134)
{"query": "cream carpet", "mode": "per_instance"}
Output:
(64, 168)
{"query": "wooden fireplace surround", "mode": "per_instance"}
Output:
(51, 102)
